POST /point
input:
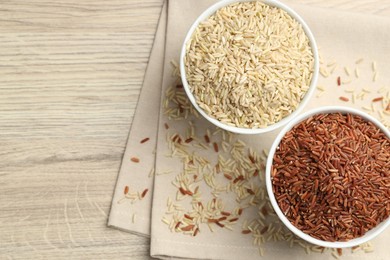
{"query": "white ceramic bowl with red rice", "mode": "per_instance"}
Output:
(250, 129)
(270, 177)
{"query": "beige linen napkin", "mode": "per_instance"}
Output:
(131, 211)
(343, 37)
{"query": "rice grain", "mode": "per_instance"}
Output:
(249, 65)
(338, 187)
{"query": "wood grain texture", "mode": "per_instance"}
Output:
(70, 75)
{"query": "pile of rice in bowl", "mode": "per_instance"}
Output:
(249, 65)
(330, 176)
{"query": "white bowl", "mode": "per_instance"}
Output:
(210, 11)
(322, 110)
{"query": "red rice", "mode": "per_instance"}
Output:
(144, 140)
(135, 159)
(215, 147)
(344, 99)
(330, 176)
(144, 193)
(377, 99)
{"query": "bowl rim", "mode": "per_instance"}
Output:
(239, 130)
(321, 110)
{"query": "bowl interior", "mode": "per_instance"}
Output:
(210, 11)
(323, 110)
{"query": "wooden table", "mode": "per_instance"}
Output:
(70, 75)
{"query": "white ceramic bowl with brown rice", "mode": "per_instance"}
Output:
(328, 176)
(249, 67)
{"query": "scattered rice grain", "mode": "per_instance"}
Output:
(359, 61)
(135, 159)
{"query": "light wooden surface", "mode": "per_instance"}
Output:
(70, 75)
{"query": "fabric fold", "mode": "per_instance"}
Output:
(132, 212)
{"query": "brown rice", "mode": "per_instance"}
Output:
(249, 65)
